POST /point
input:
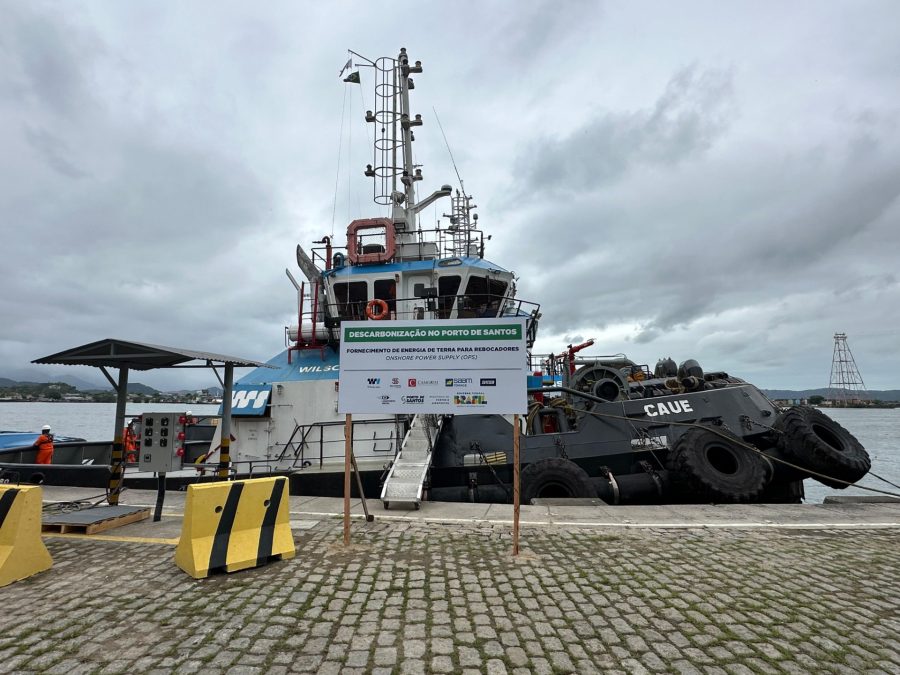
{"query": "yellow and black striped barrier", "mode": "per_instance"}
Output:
(22, 551)
(233, 526)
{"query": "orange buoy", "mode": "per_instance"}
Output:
(381, 312)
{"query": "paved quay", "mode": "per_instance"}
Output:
(684, 589)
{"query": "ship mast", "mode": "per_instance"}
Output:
(393, 143)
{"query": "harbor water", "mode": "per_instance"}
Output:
(878, 431)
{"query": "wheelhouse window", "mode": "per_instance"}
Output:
(386, 289)
(482, 298)
(351, 298)
(448, 287)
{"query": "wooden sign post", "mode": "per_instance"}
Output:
(515, 485)
(348, 449)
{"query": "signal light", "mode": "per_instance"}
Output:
(182, 419)
(180, 435)
(180, 452)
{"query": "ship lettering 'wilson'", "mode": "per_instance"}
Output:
(654, 409)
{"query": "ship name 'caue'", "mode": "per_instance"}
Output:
(654, 409)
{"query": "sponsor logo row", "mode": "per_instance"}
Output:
(462, 399)
(413, 383)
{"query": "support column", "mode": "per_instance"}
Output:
(117, 463)
(348, 449)
(225, 450)
(516, 485)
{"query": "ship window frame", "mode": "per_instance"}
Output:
(447, 295)
(483, 297)
(387, 293)
(350, 303)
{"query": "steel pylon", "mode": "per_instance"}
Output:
(846, 386)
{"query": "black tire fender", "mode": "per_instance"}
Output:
(713, 463)
(555, 477)
(814, 441)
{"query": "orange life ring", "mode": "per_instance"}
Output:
(381, 314)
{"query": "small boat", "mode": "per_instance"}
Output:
(20, 439)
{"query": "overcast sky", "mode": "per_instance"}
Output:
(704, 180)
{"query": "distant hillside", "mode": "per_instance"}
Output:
(78, 383)
(138, 388)
(42, 376)
(876, 394)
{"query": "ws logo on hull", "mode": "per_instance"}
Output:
(249, 400)
(670, 408)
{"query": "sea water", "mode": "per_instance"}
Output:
(878, 430)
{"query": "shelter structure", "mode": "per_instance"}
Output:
(125, 355)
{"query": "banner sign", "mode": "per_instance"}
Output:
(474, 366)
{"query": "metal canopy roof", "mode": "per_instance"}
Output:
(139, 356)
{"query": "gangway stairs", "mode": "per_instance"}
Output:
(407, 476)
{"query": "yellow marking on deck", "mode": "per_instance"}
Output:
(112, 537)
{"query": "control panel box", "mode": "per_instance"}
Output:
(162, 441)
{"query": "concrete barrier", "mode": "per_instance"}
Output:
(22, 551)
(236, 525)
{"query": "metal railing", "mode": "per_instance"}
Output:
(312, 445)
(427, 244)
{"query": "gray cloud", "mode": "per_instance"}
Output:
(665, 183)
(54, 151)
(693, 111)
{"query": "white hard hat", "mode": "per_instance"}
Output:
(46, 427)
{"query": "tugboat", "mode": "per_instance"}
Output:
(602, 427)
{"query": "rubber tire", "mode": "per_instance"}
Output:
(558, 473)
(697, 475)
(813, 440)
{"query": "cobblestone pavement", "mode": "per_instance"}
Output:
(437, 598)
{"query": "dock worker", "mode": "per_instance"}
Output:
(44, 445)
(128, 443)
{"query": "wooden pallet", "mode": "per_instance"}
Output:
(92, 521)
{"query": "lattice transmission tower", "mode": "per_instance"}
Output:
(846, 386)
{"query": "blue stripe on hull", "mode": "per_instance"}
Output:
(307, 364)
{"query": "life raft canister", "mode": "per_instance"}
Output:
(382, 311)
(355, 255)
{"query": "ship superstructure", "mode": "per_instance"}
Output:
(596, 426)
(389, 268)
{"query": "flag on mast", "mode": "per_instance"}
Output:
(347, 66)
(353, 77)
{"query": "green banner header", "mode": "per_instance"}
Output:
(433, 333)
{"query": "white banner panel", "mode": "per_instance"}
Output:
(474, 366)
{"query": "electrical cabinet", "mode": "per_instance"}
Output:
(162, 441)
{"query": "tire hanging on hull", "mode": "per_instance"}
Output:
(712, 462)
(555, 477)
(816, 442)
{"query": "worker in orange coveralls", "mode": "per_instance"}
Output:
(44, 445)
(128, 443)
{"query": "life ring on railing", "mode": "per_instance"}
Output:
(381, 313)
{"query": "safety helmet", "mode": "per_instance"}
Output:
(46, 427)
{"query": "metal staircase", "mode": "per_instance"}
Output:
(410, 467)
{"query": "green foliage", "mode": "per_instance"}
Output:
(103, 397)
